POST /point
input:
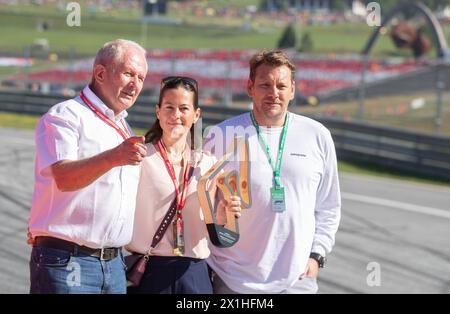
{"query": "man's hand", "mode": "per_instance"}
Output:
(312, 269)
(71, 175)
(130, 152)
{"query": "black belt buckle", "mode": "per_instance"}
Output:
(106, 254)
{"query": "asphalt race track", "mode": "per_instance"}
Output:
(394, 236)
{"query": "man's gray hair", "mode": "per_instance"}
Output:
(114, 50)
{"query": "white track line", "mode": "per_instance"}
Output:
(399, 205)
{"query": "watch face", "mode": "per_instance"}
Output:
(322, 262)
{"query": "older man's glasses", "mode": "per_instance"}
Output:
(174, 80)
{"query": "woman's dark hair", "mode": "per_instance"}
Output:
(172, 82)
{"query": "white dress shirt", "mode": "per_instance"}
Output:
(100, 214)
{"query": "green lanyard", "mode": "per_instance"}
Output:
(276, 170)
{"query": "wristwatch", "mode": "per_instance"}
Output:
(321, 260)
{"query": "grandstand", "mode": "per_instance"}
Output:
(222, 71)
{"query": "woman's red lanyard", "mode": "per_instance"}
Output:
(181, 199)
(122, 131)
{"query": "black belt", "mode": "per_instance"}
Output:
(75, 249)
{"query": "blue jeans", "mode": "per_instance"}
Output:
(58, 271)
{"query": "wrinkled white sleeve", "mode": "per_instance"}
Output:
(56, 139)
(328, 202)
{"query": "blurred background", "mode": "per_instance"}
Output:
(375, 73)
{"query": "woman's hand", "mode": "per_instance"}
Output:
(233, 206)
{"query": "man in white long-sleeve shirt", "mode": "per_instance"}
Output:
(295, 212)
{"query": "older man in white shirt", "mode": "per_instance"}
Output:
(86, 180)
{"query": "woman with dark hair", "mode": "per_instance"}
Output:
(169, 225)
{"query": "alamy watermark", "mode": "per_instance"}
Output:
(73, 279)
(74, 17)
(373, 279)
(374, 14)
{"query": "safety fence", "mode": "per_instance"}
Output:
(355, 141)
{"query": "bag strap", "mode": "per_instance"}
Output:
(165, 223)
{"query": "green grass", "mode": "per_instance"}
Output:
(345, 38)
(87, 11)
(10, 70)
(19, 30)
(29, 122)
(20, 121)
(229, 3)
(39, 65)
(391, 111)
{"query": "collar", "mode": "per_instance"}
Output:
(101, 106)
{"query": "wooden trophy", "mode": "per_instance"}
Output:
(230, 183)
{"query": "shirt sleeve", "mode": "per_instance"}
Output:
(328, 202)
(56, 139)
